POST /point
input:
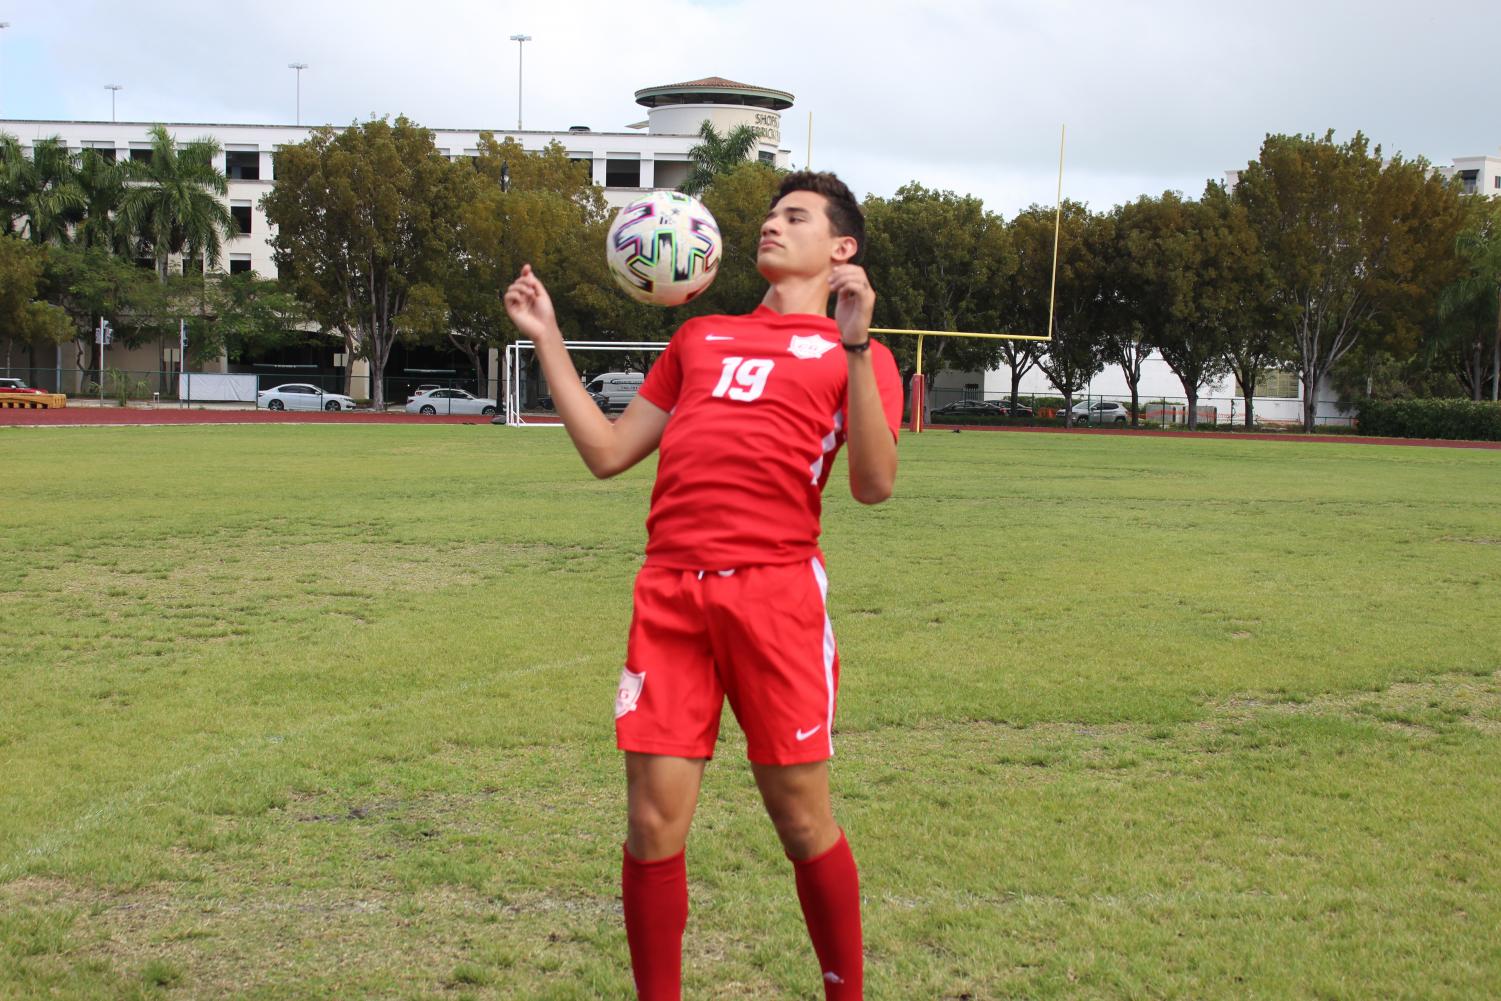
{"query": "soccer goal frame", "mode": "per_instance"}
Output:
(514, 365)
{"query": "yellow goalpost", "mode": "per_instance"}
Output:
(917, 403)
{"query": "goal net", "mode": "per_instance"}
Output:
(527, 400)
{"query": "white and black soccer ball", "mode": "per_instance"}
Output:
(664, 248)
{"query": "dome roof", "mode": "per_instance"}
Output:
(714, 90)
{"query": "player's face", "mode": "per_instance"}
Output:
(798, 239)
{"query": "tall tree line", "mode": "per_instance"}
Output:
(1328, 259)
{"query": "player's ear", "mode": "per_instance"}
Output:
(844, 249)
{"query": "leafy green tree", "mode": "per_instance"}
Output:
(938, 261)
(1194, 272)
(363, 215)
(88, 283)
(239, 316)
(40, 194)
(718, 154)
(532, 208)
(1357, 246)
(1470, 306)
(24, 318)
(1076, 352)
(174, 201)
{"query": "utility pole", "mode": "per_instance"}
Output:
(113, 88)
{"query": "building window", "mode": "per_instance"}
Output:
(149, 263)
(1467, 180)
(140, 155)
(192, 265)
(766, 157)
(242, 217)
(1496, 181)
(106, 153)
(1273, 384)
(239, 264)
(622, 173)
(240, 165)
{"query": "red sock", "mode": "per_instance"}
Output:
(828, 886)
(656, 911)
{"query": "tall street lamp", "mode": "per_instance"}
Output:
(113, 88)
(299, 67)
(520, 41)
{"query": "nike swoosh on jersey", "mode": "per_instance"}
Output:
(805, 734)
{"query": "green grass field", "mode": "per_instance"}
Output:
(293, 712)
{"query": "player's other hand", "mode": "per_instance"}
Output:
(854, 302)
(529, 306)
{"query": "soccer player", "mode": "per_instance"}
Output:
(748, 412)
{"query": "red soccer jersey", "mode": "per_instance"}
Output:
(758, 406)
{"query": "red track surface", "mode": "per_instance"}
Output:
(133, 416)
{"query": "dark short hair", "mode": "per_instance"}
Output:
(845, 217)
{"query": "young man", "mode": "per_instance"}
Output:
(748, 412)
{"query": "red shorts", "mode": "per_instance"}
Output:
(757, 635)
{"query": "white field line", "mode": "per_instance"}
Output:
(119, 804)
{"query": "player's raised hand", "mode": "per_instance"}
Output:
(854, 302)
(530, 307)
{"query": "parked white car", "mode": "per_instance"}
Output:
(449, 401)
(301, 396)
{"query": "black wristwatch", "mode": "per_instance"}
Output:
(857, 348)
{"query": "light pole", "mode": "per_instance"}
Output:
(299, 67)
(113, 88)
(520, 41)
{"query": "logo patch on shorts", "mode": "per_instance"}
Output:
(629, 692)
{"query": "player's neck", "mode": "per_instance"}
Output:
(798, 294)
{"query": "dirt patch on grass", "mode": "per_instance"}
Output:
(1439, 703)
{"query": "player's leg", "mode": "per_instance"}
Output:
(780, 669)
(666, 720)
(661, 793)
(828, 883)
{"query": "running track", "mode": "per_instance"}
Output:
(133, 416)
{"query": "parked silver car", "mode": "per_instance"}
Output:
(1100, 412)
(449, 401)
(301, 396)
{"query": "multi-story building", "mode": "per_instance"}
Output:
(644, 155)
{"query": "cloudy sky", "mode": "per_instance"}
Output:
(958, 94)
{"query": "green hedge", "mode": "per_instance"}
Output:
(1458, 419)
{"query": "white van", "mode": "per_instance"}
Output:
(617, 388)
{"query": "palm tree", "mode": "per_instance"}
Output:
(174, 200)
(718, 154)
(102, 182)
(40, 194)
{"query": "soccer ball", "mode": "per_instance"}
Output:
(663, 248)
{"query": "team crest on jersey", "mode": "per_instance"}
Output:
(810, 347)
(629, 692)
